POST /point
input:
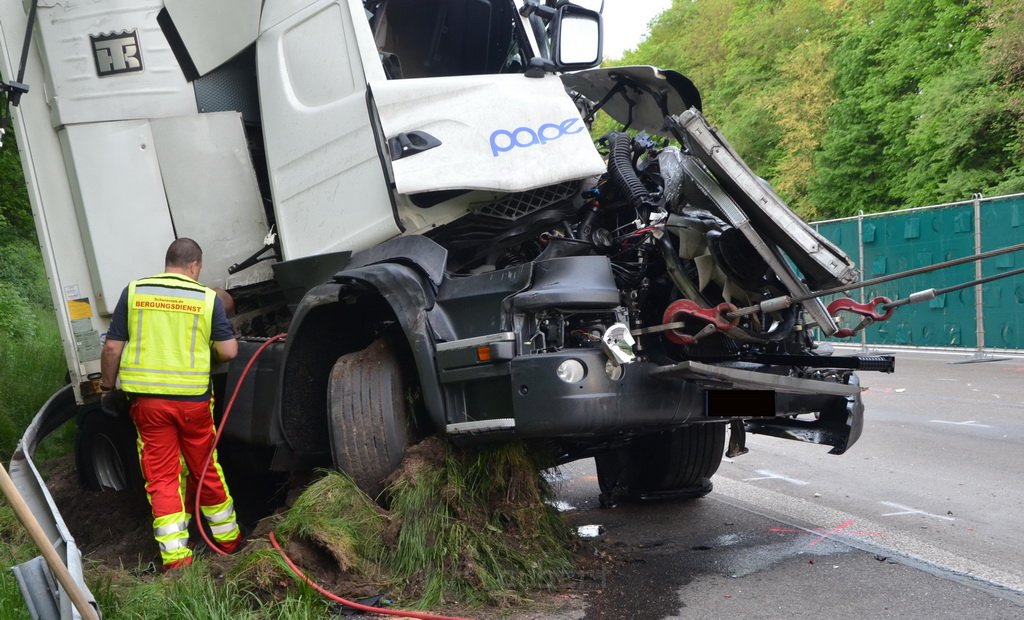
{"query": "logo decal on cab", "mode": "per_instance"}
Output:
(504, 140)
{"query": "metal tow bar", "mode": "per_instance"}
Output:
(881, 308)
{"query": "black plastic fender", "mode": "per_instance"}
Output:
(337, 317)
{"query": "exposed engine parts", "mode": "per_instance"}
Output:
(682, 268)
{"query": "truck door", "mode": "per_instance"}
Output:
(326, 175)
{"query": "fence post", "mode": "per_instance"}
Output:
(979, 301)
(860, 261)
(979, 305)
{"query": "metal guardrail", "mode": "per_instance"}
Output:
(45, 598)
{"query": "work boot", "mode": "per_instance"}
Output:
(198, 546)
(178, 564)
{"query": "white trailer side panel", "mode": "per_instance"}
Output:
(120, 201)
(212, 192)
(108, 61)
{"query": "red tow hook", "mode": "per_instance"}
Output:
(716, 318)
(866, 310)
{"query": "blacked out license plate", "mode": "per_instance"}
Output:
(740, 403)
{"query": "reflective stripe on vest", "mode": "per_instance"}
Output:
(170, 321)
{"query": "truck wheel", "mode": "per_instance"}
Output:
(106, 452)
(367, 415)
(676, 464)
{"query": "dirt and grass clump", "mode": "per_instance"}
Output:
(455, 530)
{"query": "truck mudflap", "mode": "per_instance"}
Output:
(43, 596)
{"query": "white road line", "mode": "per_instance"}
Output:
(967, 423)
(907, 510)
(763, 501)
(768, 475)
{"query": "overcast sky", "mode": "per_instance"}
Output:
(625, 23)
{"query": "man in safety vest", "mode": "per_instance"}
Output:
(164, 331)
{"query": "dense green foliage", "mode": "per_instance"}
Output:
(849, 105)
(31, 361)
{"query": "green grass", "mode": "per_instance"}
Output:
(31, 370)
(199, 593)
(15, 548)
(470, 530)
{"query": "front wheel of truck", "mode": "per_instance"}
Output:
(675, 464)
(368, 414)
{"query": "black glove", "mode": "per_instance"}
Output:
(114, 403)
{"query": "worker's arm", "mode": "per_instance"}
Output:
(225, 347)
(225, 350)
(110, 361)
(113, 344)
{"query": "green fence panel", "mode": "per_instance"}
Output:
(1002, 225)
(902, 241)
(898, 241)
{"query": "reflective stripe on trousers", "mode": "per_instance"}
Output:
(171, 431)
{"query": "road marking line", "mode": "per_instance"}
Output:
(967, 423)
(824, 534)
(768, 475)
(765, 502)
(907, 510)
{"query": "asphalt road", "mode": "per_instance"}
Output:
(922, 518)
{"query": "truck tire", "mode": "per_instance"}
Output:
(106, 452)
(676, 464)
(367, 414)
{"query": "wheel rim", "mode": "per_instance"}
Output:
(106, 463)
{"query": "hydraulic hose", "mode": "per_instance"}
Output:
(273, 539)
(353, 604)
(620, 168)
(197, 514)
(677, 273)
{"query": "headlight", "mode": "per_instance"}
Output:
(614, 371)
(571, 371)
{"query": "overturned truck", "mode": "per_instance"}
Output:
(410, 191)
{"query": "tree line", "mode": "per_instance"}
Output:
(843, 105)
(857, 105)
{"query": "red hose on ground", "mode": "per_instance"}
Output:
(273, 540)
(353, 604)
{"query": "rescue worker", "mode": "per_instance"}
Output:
(164, 331)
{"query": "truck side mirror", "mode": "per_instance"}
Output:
(577, 38)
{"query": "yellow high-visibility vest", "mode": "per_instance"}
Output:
(170, 321)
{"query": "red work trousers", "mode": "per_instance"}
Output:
(170, 430)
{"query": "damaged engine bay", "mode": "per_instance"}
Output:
(694, 266)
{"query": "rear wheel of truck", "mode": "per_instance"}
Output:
(676, 464)
(368, 414)
(106, 453)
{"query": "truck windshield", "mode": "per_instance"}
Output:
(435, 38)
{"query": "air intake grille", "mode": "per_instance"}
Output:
(515, 206)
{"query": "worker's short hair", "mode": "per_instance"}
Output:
(182, 252)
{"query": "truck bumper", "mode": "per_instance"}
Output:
(601, 404)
